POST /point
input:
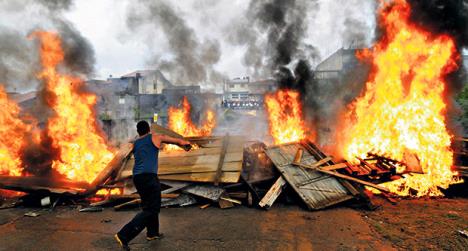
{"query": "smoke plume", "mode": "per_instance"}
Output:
(191, 60)
(19, 62)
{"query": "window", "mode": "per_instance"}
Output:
(121, 100)
(231, 86)
(155, 86)
(244, 96)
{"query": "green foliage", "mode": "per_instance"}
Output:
(462, 100)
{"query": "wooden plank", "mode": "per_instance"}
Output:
(321, 162)
(199, 151)
(273, 193)
(319, 154)
(226, 177)
(334, 167)
(165, 131)
(298, 156)
(346, 177)
(32, 184)
(114, 165)
(199, 159)
(237, 141)
(221, 159)
(184, 163)
(167, 170)
(227, 198)
(126, 204)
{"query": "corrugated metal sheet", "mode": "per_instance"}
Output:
(316, 189)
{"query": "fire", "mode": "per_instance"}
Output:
(12, 130)
(181, 123)
(107, 192)
(401, 112)
(285, 116)
(73, 128)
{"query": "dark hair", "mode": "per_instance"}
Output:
(143, 128)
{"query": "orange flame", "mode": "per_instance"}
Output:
(181, 123)
(401, 112)
(107, 192)
(12, 131)
(285, 116)
(73, 128)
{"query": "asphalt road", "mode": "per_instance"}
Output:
(240, 228)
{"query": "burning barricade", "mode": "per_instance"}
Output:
(394, 140)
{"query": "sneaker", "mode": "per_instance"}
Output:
(122, 244)
(156, 237)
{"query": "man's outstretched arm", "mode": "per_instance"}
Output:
(159, 139)
(170, 140)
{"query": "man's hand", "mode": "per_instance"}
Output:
(184, 142)
(185, 145)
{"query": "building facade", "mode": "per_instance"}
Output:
(242, 93)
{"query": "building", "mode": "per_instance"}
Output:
(336, 66)
(139, 95)
(148, 81)
(241, 93)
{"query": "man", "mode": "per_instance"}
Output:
(145, 177)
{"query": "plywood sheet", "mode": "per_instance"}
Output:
(316, 189)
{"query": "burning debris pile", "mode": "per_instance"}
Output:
(69, 151)
(394, 140)
(401, 114)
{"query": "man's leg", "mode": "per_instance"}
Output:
(153, 206)
(134, 227)
(138, 223)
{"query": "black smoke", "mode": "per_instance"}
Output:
(79, 53)
(443, 17)
(285, 28)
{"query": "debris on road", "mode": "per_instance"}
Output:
(31, 214)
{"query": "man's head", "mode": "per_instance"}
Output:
(143, 128)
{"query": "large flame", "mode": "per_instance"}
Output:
(181, 123)
(401, 112)
(73, 128)
(12, 131)
(285, 116)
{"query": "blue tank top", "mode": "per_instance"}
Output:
(146, 156)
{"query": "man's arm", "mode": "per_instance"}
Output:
(171, 140)
(158, 139)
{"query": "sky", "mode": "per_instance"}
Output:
(120, 50)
